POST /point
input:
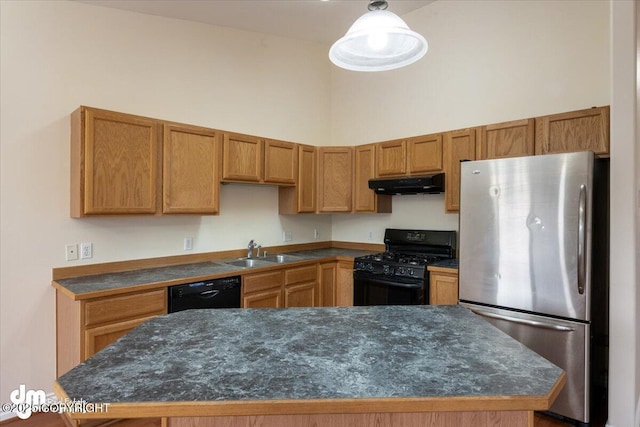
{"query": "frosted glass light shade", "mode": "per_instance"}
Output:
(379, 40)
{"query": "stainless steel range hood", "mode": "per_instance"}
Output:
(431, 184)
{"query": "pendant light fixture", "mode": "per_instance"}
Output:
(379, 40)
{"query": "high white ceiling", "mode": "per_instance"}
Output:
(315, 20)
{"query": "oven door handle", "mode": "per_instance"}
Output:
(378, 281)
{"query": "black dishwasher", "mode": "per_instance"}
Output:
(215, 293)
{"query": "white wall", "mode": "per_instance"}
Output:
(57, 55)
(624, 355)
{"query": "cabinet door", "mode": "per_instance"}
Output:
(425, 154)
(364, 198)
(306, 179)
(301, 295)
(271, 298)
(509, 139)
(327, 273)
(191, 170)
(335, 179)
(574, 131)
(392, 157)
(115, 163)
(280, 162)
(443, 289)
(242, 158)
(459, 145)
(95, 339)
(302, 197)
(344, 284)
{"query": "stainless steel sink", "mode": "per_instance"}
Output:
(248, 263)
(280, 258)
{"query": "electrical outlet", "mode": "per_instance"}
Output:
(371, 236)
(316, 234)
(86, 250)
(188, 243)
(286, 236)
(71, 252)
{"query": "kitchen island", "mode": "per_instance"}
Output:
(381, 365)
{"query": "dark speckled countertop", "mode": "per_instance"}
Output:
(446, 263)
(311, 353)
(185, 272)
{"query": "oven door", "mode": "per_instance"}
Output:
(376, 289)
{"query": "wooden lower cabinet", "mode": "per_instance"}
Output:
(95, 339)
(301, 286)
(271, 298)
(302, 295)
(327, 280)
(344, 283)
(287, 287)
(263, 290)
(85, 327)
(336, 283)
(443, 287)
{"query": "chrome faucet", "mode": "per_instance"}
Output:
(258, 250)
(252, 245)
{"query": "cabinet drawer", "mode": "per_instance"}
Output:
(261, 281)
(301, 274)
(125, 307)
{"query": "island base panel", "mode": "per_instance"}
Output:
(421, 419)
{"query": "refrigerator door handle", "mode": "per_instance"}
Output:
(582, 217)
(535, 323)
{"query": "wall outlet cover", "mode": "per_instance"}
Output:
(71, 252)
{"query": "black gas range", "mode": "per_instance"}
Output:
(399, 276)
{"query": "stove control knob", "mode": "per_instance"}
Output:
(400, 271)
(385, 269)
(410, 271)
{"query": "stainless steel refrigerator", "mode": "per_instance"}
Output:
(534, 262)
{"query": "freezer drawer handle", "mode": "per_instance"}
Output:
(523, 321)
(582, 211)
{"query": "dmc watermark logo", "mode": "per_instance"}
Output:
(25, 402)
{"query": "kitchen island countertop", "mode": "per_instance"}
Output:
(209, 363)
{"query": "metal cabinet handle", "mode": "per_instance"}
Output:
(534, 323)
(582, 220)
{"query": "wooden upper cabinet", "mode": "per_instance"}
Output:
(392, 158)
(335, 179)
(424, 154)
(509, 139)
(302, 197)
(574, 131)
(191, 170)
(459, 145)
(242, 158)
(114, 163)
(364, 198)
(280, 162)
